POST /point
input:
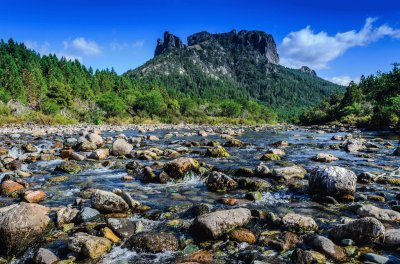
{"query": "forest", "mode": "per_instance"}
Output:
(50, 90)
(374, 102)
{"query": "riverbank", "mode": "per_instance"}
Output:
(198, 193)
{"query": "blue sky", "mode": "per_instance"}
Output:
(340, 39)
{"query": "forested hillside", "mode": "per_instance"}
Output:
(62, 91)
(374, 102)
(240, 65)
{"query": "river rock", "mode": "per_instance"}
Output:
(324, 157)
(392, 238)
(123, 227)
(177, 168)
(220, 182)
(45, 256)
(363, 230)
(215, 224)
(121, 147)
(253, 184)
(217, 152)
(386, 215)
(29, 147)
(87, 214)
(8, 187)
(154, 242)
(299, 223)
(108, 202)
(76, 156)
(326, 246)
(332, 181)
(95, 138)
(100, 154)
(242, 235)
(66, 215)
(288, 173)
(354, 145)
(69, 167)
(34, 196)
(89, 246)
(300, 256)
(20, 225)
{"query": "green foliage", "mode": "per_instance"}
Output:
(111, 103)
(231, 108)
(375, 101)
(151, 102)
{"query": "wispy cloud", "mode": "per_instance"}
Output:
(343, 80)
(115, 45)
(82, 46)
(316, 50)
(42, 48)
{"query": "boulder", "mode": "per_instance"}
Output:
(217, 152)
(8, 187)
(354, 145)
(69, 167)
(177, 168)
(123, 227)
(299, 223)
(326, 246)
(20, 225)
(220, 182)
(100, 154)
(108, 202)
(66, 215)
(214, 225)
(386, 215)
(242, 235)
(234, 143)
(253, 184)
(45, 256)
(121, 147)
(300, 256)
(95, 138)
(29, 147)
(332, 181)
(87, 214)
(288, 173)
(392, 238)
(16, 107)
(270, 157)
(154, 242)
(324, 157)
(89, 246)
(34, 196)
(364, 230)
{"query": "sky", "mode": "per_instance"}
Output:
(339, 39)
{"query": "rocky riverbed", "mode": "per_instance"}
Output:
(199, 194)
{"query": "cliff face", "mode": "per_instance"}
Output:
(242, 64)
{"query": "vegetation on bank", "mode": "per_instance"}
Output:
(374, 102)
(53, 90)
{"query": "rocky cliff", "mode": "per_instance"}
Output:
(242, 64)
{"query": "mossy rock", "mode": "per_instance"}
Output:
(270, 157)
(69, 167)
(217, 152)
(58, 179)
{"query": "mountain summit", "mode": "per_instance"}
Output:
(237, 65)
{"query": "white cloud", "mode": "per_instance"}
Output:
(115, 45)
(34, 45)
(316, 50)
(343, 80)
(69, 56)
(82, 46)
(138, 44)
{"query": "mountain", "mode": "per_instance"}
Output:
(236, 65)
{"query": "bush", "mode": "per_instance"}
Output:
(231, 108)
(50, 107)
(111, 103)
(152, 103)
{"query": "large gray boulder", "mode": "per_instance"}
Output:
(121, 147)
(16, 107)
(392, 238)
(108, 202)
(332, 181)
(364, 230)
(299, 223)
(20, 225)
(214, 225)
(288, 173)
(177, 168)
(154, 242)
(220, 182)
(386, 215)
(89, 246)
